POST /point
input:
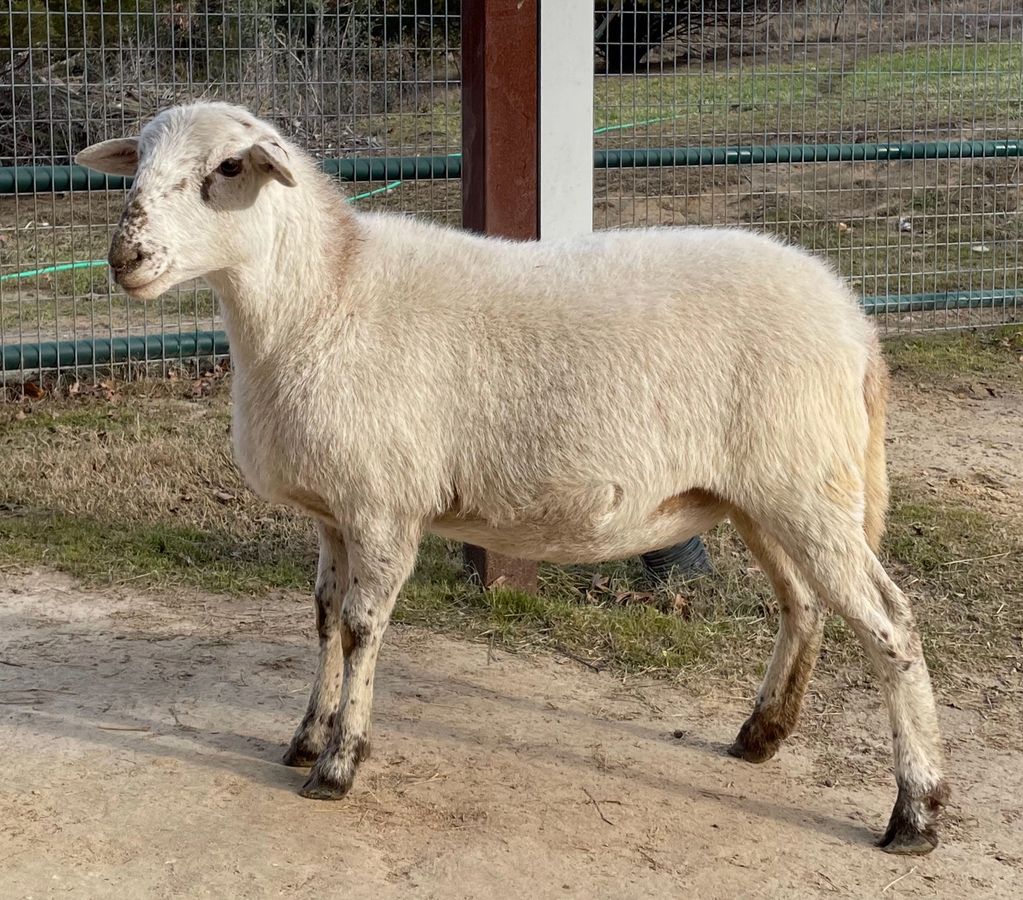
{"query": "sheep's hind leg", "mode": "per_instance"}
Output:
(835, 558)
(381, 558)
(331, 583)
(780, 697)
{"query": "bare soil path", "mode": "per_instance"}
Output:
(141, 739)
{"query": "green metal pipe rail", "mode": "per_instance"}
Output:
(189, 345)
(102, 351)
(58, 179)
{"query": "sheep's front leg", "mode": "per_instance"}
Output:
(331, 584)
(381, 558)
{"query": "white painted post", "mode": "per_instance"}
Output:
(566, 118)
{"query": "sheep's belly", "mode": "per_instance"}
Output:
(567, 541)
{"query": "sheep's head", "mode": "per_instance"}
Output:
(198, 202)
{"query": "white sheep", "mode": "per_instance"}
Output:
(573, 401)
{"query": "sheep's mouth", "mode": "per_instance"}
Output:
(146, 287)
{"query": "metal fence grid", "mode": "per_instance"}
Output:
(366, 78)
(370, 78)
(831, 73)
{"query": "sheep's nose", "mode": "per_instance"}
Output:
(125, 256)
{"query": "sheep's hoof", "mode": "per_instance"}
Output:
(911, 830)
(318, 788)
(299, 756)
(910, 843)
(752, 745)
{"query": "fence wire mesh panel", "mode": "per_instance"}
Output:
(885, 135)
(929, 242)
(356, 79)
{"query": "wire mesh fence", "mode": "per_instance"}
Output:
(928, 242)
(362, 79)
(931, 238)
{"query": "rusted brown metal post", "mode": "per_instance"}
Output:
(500, 165)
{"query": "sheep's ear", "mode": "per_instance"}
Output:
(117, 157)
(272, 158)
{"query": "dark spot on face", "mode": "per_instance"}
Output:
(333, 568)
(204, 190)
(181, 185)
(367, 682)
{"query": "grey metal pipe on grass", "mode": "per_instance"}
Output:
(41, 179)
(102, 351)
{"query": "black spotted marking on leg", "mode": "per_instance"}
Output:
(354, 634)
(299, 756)
(320, 787)
(360, 748)
(911, 829)
(302, 751)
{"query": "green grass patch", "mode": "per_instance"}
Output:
(158, 554)
(913, 87)
(988, 354)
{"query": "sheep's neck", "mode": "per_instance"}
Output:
(286, 283)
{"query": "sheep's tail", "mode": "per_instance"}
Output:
(875, 396)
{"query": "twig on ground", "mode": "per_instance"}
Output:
(956, 562)
(596, 667)
(897, 880)
(596, 805)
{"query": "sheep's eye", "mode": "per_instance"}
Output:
(230, 167)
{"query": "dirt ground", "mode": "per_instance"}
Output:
(142, 735)
(142, 738)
